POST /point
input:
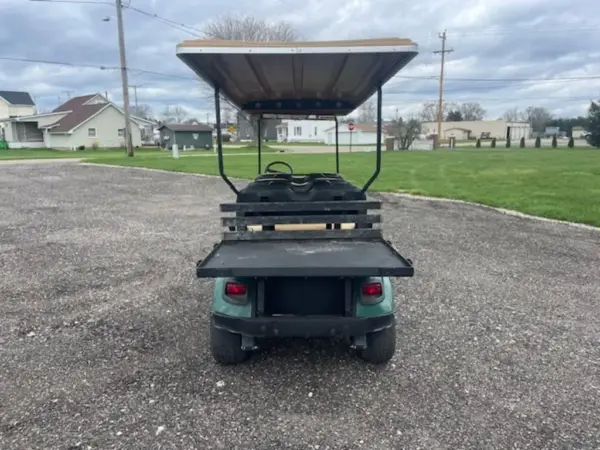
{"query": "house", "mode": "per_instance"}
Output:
(85, 121)
(579, 133)
(15, 104)
(303, 130)
(487, 129)
(363, 133)
(186, 136)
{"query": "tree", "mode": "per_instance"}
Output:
(175, 114)
(538, 142)
(593, 124)
(454, 116)
(472, 111)
(571, 143)
(512, 115)
(249, 28)
(478, 143)
(522, 143)
(508, 143)
(429, 111)
(142, 110)
(538, 117)
(367, 113)
(405, 131)
(493, 145)
(554, 142)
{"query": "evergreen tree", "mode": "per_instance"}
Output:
(478, 143)
(522, 143)
(593, 125)
(538, 142)
(494, 143)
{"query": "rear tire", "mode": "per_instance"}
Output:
(226, 347)
(381, 346)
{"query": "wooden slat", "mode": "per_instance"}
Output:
(280, 220)
(301, 207)
(367, 233)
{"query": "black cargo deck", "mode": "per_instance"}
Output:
(304, 258)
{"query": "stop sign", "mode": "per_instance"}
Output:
(351, 126)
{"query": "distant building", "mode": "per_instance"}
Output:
(186, 136)
(578, 132)
(474, 129)
(245, 130)
(363, 134)
(16, 104)
(304, 130)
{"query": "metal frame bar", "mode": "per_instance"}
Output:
(337, 147)
(378, 150)
(220, 143)
(301, 220)
(302, 207)
(259, 129)
(366, 233)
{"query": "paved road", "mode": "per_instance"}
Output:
(103, 331)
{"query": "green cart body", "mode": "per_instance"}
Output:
(301, 255)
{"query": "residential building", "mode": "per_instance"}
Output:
(579, 132)
(85, 121)
(16, 104)
(304, 130)
(363, 134)
(474, 129)
(186, 136)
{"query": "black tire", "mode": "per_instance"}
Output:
(226, 347)
(381, 346)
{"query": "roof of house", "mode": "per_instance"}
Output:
(78, 112)
(459, 128)
(17, 98)
(186, 127)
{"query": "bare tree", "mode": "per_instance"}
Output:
(167, 115)
(512, 115)
(236, 27)
(405, 131)
(429, 111)
(367, 113)
(472, 111)
(179, 114)
(142, 110)
(249, 28)
(538, 117)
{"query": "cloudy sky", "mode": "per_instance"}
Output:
(507, 53)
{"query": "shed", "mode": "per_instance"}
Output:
(461, 134)
(186, 136)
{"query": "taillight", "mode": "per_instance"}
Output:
(372, 289)
(235, 289)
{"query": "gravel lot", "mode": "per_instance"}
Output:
(103, 336)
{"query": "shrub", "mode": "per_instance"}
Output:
(81, 147)
(554, 142)
(538, 142)
(508, 143)
(494, 143)
(226, 138)
(522, 143)
(95, 145)
(571, 142)
(478, 143)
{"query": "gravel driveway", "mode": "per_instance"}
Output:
(103, 331)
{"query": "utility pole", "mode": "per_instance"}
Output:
(135, 86)
(440, 115)
(128, 140)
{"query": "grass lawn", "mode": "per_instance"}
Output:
(555, 183)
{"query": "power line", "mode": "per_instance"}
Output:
(443, 52)
(177, 25)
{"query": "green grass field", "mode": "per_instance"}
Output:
(555, 183)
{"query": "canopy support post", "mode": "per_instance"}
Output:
(259, 129)
(220, 142)
(337, 147)
(378, 149)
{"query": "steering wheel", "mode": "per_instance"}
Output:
(268, 169)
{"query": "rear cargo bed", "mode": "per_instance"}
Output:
(304, 258)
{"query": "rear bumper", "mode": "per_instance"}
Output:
(317, 326)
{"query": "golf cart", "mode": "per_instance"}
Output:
(300, 256)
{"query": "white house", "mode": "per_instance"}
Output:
(88, 121)
(303, 130)
(364, 133)
(15, 104)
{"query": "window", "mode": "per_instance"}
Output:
(297, 131)
(92, 132)
(121, 132)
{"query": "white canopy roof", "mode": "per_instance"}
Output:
(326, 78)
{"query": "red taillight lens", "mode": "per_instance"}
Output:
(372, 289)
(237, 289)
